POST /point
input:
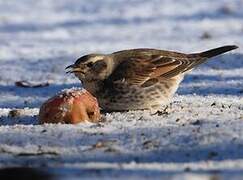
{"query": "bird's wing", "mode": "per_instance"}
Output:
(133, 71)
(145, 67)
(175, 65)
(147, 71)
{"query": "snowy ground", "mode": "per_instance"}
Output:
(201, 135)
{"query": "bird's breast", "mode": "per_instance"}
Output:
(125, 97)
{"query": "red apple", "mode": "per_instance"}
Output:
(70, 106)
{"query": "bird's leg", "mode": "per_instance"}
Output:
(160, 111)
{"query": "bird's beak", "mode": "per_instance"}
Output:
(73, 68)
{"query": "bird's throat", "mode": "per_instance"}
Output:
(93, 86)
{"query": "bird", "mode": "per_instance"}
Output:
(137, 79)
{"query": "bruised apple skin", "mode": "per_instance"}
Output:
(70, 107)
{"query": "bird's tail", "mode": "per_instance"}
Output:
(197, 59)
(217, 51)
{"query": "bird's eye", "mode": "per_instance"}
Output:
(90, 64)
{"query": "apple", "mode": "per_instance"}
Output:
(71, 106)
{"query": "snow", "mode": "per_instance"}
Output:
(198, 137)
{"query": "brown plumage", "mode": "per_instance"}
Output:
(137, 78)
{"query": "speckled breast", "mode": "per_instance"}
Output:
(122, 98)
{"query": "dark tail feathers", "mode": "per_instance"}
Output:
(217, 51)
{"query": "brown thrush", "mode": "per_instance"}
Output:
(137, 78)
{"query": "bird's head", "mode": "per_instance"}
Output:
(92, 67)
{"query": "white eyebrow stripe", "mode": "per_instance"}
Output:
(96, 58)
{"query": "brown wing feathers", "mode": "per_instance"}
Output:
(182, 64)
(136, 70)
(133, 71)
